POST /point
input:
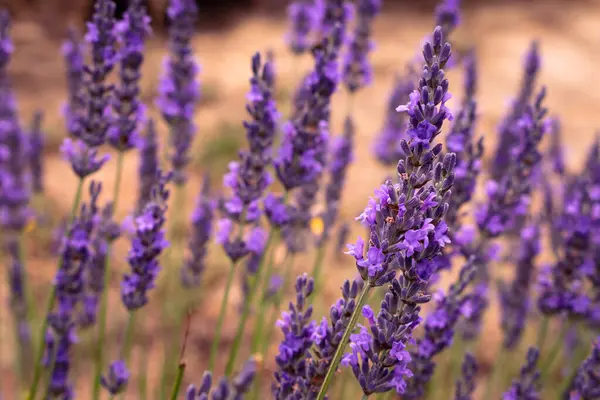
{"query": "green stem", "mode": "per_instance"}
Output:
(493, 376)
(224, 301)
(37, 371)
(126, 345)
(364, 397)
(554, 351)
(254, 286)
(316, 271)
(542, 333)
(362, 297)
(262, 308)
(178, 380)
(169, 355)
(99, 356)
(143, 371)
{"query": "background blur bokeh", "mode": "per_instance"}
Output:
(229, 33)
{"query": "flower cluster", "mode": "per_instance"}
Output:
(465, 387)
(224, 390)
(526, 386)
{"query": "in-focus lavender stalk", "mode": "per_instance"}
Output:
(75, 256)
(202, 221)
(35, 153)
(527, 385)
(236, 389)
(357, 72)
(509, 127)
(178, 91)
(407, 231)
(128, 109)
(386, 147)
(465, 386)
(439, 332)
(303, 18)
(248, 179)
(515, 297)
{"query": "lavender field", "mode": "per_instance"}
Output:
(355, 201)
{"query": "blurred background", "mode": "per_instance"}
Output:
(229, 32)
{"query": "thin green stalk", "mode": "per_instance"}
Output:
(178, 380)
(542, 333)
(497, 367)
(362, 297)
(254, 287)
(37, 371)
(216, 341)
(554, 351)
(316, 271)
(262, 308)
(364, 397)
(99, 356)
(126, 344)
(143, 372)
(458, 351)
(168, 346)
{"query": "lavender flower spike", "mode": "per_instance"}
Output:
(128, 108)
(357, 71)
(465, 387)
(147, 244)
(586, 384)
(76, 253)
(236, 389)
(447, 15)
(303, 19)
(527, 385)
(149, 165)
(117, 378)
(387, 143)
(93, 124)
(35, 153)
(178, 90)
(298, 332)
(73, 49)
(202, 219)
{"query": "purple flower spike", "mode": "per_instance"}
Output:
(83, 159)
(126, 104)
(202, 220)
(94, 122)
(509, 130)
(303, 17)
(73, 51)
(527, 386)
(298, 330)
(357, 71)
(117, 378)
(146, 246)
(387, 143)
(439, 332)
(149, 165)
(465, 386)
(236, 389)
(178, 91)
(76, 255)
(447, 15)
(35, 153)
(586, 384)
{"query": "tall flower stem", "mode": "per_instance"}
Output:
(178, 380)
(317, 267)
(99, 356)
(364, 396)
(262, 308)
(126, 344)
(339, 352)
(143, 372)
(175, 249)
(224, 301)
(254, 287)
(37, 371)
(542, 333)
(554, 351)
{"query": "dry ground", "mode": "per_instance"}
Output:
(569, 44)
